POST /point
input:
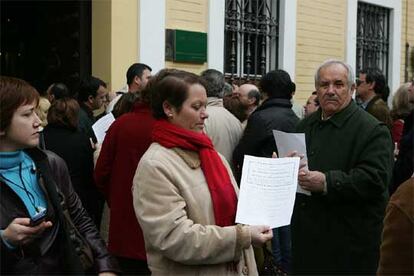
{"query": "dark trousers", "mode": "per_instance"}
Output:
(133, 266)
(281, 247)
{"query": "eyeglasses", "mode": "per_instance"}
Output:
(359, 82)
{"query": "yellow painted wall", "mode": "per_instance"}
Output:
(124, 39)
(101, 40)
(189, 15)
(321, 34)
(407, 35)
(114, 40)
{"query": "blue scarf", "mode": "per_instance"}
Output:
(17, 170)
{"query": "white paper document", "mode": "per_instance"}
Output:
(267, 191)
(288, 142)
(102, 125)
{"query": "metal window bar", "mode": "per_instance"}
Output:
(251, 38)
(373, 37)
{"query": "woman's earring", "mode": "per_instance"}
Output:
(170, 115)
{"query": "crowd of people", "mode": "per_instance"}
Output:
(169, 169)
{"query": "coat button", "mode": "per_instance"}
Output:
(245, 270)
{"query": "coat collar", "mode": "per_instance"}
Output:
(274, 102)
(87, 110)
(190, 157)
(338, 119)
(372, 102)
(214, 101)
(140, 106)
(36, 154)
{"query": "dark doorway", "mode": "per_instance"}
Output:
(46, 41)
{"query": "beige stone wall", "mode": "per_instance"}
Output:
(101, 40)
(407, 35)
(124, 42)
(321, 34)
(189, 15)
(114, 40)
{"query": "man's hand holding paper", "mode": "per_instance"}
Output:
(312, 181)
(292, 142)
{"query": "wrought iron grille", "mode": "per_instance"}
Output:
(373, 36)
(251, 38)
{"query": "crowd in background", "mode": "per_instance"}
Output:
(162, 186)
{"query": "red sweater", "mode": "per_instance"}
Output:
(397, 130)
(125, 142)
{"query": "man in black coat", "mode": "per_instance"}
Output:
(274, 113)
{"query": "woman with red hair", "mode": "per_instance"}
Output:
(44, 228)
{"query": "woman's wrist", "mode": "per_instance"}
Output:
(6, 241)
(243, 237)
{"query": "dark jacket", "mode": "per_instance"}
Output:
(340, 232)
(86, 121)
(257, 139)
(404, 165)
(52, 253)
(408, 123)
(75, 148)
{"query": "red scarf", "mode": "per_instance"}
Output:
(218, 180)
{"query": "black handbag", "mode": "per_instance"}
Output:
(73, 240)
(81, 245)
(270, 267)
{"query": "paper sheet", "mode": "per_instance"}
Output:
(102, 125)
(288, 142)
(267, 191)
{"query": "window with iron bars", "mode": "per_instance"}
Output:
(251, 38)
(373, 37)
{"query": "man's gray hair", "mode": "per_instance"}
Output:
(351, 78)
(215, 82)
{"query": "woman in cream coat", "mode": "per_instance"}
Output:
(188, 218)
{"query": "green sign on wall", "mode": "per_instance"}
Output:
(190, 46)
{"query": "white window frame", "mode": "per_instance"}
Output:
(287, 36)
(394, 54)
(151, 34)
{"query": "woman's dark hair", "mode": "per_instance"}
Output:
(170, 85)
(277, 84)
(13, 94)
(125, 104)
(64, 112)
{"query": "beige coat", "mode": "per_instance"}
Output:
(173, 206)
(223, 128)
